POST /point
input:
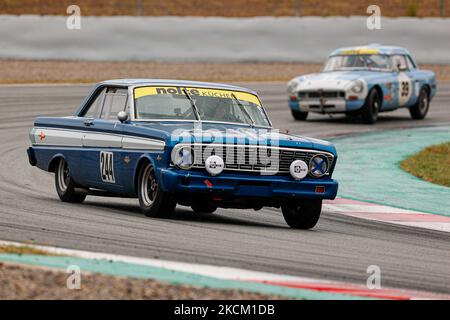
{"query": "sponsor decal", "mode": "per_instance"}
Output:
(298, 169)
(214, 165)
(360, 51)
(41, 135)
(202, 92)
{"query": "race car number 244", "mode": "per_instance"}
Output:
(107, 166)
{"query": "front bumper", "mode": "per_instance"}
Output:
(331, 105)
(245, 185)
(31, 156)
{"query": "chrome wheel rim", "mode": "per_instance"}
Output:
(63, 175)
(149, 186)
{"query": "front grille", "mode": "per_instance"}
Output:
(321, 94)
(253, 158)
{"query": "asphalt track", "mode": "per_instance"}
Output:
(339, 248)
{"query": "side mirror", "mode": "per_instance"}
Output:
(122, 116)
(401, 68)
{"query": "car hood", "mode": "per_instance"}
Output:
(335, 80)
(189, 132)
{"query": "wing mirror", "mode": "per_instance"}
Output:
(122, 116)
(401, 68)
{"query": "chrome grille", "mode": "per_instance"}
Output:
(321, 94)
(247, 157)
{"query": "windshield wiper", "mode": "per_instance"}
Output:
(194, 106)
(244, 110)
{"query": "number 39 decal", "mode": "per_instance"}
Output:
(405, 88)
(107, 166)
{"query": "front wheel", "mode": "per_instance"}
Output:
(299, 115)
(371, 108)
(420, 109)
(65, 186)
(153, 201)
(302, 215)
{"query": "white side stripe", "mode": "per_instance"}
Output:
(40, 136)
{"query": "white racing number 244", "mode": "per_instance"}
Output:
(107, 166)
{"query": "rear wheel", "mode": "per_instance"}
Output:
(302, 215)
(420, 109)
(299, 115)
(203, 208)
(153, 201)
(65, 186)
(371, 108)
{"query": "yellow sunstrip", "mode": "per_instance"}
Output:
(203, 92)
(360, 51)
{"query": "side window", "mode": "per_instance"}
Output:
(399, 60)
(93, 110)
(115, 101)
(411, 64)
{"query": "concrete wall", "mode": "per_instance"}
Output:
(307, 39)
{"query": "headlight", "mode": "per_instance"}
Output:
(292, 85)
(358, 86)
(183, 157)
(319, 166)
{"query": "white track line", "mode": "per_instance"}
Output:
(382, 213)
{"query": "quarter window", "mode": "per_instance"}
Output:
(115, 101)
(411, 64)
(399, 61)
(93, 110)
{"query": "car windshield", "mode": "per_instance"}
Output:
(183, 103)
(370, 62)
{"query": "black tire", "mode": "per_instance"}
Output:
(299, 115)
(65, 186)
(371, 108)
(420, 109)
(302, 215)
(153, 201)
(203, 208)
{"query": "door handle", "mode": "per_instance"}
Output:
(89, 122)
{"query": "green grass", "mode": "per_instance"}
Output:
(22, 250)
(431, 164)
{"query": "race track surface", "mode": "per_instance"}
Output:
(339, 248)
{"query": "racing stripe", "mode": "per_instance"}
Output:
(54, 137)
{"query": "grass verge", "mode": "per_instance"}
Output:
(18, 282)
(72, 71)
(23, 250)
(230, 8)
(431, 164)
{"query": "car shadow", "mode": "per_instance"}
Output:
(181, 214)
(358, 120)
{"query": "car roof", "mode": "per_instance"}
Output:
(373, 48)
(169, 82)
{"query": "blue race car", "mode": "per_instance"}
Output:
(195, 144)
(364, 81)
